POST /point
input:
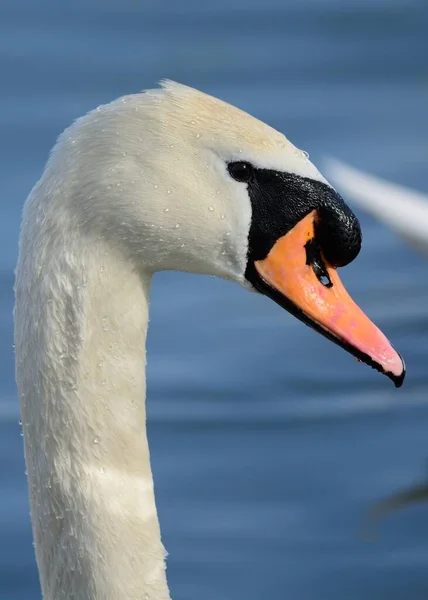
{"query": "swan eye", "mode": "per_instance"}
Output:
(241, 171)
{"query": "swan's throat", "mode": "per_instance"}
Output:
(81, 380)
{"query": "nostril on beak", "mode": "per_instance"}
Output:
(314, 259)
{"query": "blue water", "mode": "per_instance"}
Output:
(269, 445)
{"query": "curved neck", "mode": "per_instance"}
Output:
(80, 343)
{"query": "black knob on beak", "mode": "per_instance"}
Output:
(338, 231)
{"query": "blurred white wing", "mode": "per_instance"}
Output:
(403, 209)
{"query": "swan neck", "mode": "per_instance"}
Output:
(81, 327)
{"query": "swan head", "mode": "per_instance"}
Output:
(176, 179)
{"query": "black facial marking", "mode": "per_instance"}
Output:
(280, 200)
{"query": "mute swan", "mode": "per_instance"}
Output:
(167, 179)
(403, 209)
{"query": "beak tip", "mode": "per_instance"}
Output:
(398, 379)
(394, 368)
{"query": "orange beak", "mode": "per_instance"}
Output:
(295, 275)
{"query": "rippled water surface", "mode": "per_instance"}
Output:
(268, 443)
